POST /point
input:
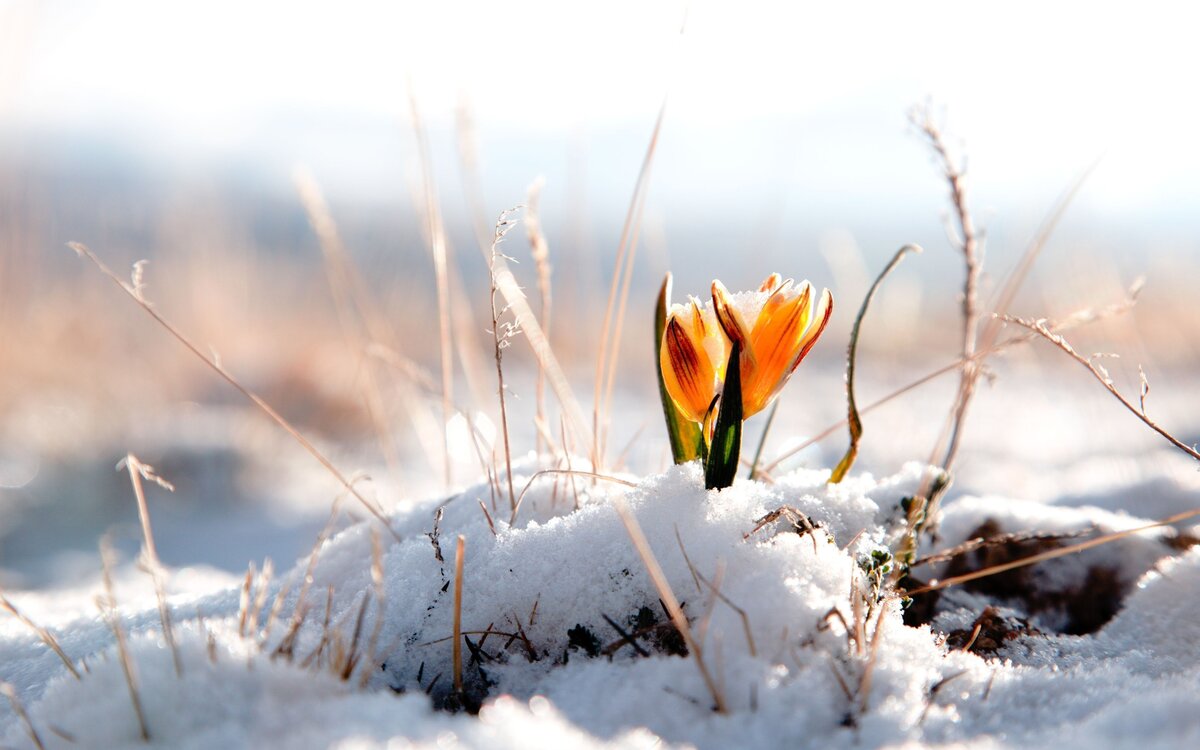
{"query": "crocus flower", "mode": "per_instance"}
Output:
(697, 341)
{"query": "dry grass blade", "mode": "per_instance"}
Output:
(460, 553)
(539, 250)
(287, 643)
(572, 473)
(507, 284)
(856, 429)
(44, 635)
(969, 247)
(350, 301)
(108, 608)
(932, 486)
(215, 366)
(864, 685)
(936, 585)
(440, 250)
(668, 597)
(610, 332)
(698, 577)
(11, 693)
(377, 579)
(502, 335)
(137, 472)
(1040, 328)
(1079, 318)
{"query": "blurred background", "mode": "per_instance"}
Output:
(174, 132)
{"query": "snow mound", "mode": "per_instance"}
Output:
(567, 643)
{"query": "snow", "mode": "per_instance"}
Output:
(559, 569)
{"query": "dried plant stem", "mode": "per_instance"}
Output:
(1079, 318)
(762, 441)
(937, 585)
(350, 301)
(138, 471)
(460, 553)
(108, 608)
(136, 295)
(1040, 328)
(668, 597)
(441, 263)
(969, 247)
(570, 472)
(528, 324)
(287, 643)
(935, 484)
(11, 693)
(856, 428)
(614, 313)
(500, 341)
(715, 588)
(44, 635)
(539, 250)
(868, 674)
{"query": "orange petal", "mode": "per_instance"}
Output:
(776, 341)
(821, 319)
(687, 373)
(728, 316)
(771, 283)
(699, 330)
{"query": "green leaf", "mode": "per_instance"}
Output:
(856, 428)
(726, 446)
(687, 442)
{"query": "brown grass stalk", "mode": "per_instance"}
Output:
(610, 345)
(1081, 317)
(377, 580)
(350, 301)
(11, 694)
(441, 263)
(44, 635)
(108, 608)
(460, 553)
(968, 243)
(501, 338)
(937, 585)
(507, 284)
(570, 472)
(539, 250)
(150, 561)
(1040, 328)
(136, 295)
(668, 597)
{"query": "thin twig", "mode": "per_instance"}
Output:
(108, 607)
(440, 250)
(610, 344)
(459, 557)
(42, 633)
(937, 585)
(501, 336)
(1040, 328)
(762, 441)
(856, 428)
(573, 473)
(668, 598)
(539, 250)
(350, 300)
(11, 693)
(215, 366)
(154, 566)
(1076, 319)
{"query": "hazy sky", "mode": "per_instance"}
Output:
(775, 108)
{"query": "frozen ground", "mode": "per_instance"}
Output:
(1099, 649)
